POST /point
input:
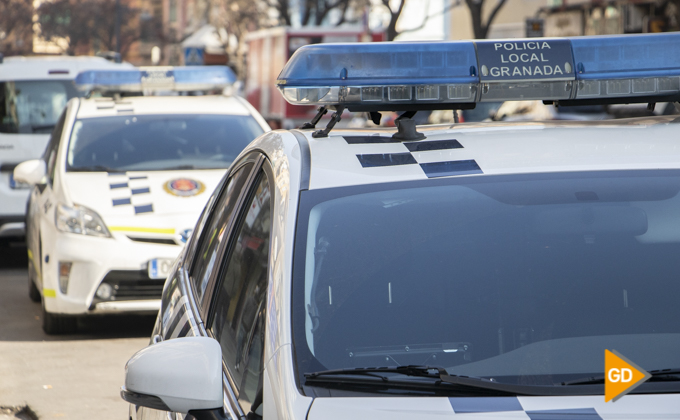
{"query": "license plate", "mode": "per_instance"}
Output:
(159, 268)
(13, 184)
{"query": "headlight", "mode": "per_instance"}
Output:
(81, 220)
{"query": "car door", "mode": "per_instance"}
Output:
(185, 289)
(213, 229)
(40, 201)
(237, 313)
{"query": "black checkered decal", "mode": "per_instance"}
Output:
(130, 190)
(431, 169)
(499, 404)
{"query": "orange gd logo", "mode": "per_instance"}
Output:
(621, 375)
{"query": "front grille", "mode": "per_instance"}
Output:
(154, 240)
(131, 285)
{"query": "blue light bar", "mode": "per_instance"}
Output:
(179, 79)
(367, 62)
(378, 72)
(622, 66)
(444, 75)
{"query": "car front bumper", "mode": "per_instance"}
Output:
(119, 261)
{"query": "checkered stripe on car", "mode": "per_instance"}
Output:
(131, 190)
(514, 404)
(409, 157)
(178, 320)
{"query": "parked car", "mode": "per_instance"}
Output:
(119, 188)
(473, 271)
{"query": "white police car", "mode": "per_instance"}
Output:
(121, 184)
(33, 93)
(465, 271)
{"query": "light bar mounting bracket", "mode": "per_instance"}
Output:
(335, 118)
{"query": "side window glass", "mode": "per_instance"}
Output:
(253, 369)
(215, 229)
(240, 302)
(192, 237)
(50, 155)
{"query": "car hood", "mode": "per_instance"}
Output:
(630, 407)
(158, 201)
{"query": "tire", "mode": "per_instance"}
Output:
(54, 324)
(33, 291)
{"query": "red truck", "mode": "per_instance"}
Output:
(268, 52)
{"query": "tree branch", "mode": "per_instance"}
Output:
(492, 16)
(343, 14)
(321, 15)
(309, 4)
(450, 6)
(422, 24)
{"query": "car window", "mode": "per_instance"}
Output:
(50, 154)
(33, 106)
(215, 230)
(191, 237)
(159, 142)
(241, 296)
(481, 276)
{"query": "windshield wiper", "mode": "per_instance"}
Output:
(410, 370)
(438, 374)
(657, 375)
(443, 380)
(39, 127)
(178, 168)
(94, 168)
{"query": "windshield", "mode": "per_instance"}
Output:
(523, 279)
(159, 142)
(33, 107)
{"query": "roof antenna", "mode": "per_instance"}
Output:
(406, 127)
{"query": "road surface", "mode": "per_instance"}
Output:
(71, 377)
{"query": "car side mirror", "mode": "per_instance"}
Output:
(31, 172)
(183, 375)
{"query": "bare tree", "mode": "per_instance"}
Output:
(315, 12)
(395, 13)
(480, 28)
(16, 27)
(88, 24)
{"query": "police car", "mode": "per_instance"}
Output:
(33, 93)
(459, 271)
(121, 184)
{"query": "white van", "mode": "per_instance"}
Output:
(33, 93)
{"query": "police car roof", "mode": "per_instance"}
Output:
(21, 68)
(158, 105)
(363, 156)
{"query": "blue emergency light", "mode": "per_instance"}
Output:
(448, 75)
(179, 79)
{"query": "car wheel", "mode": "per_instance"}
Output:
(33, 291)
(54, 324)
